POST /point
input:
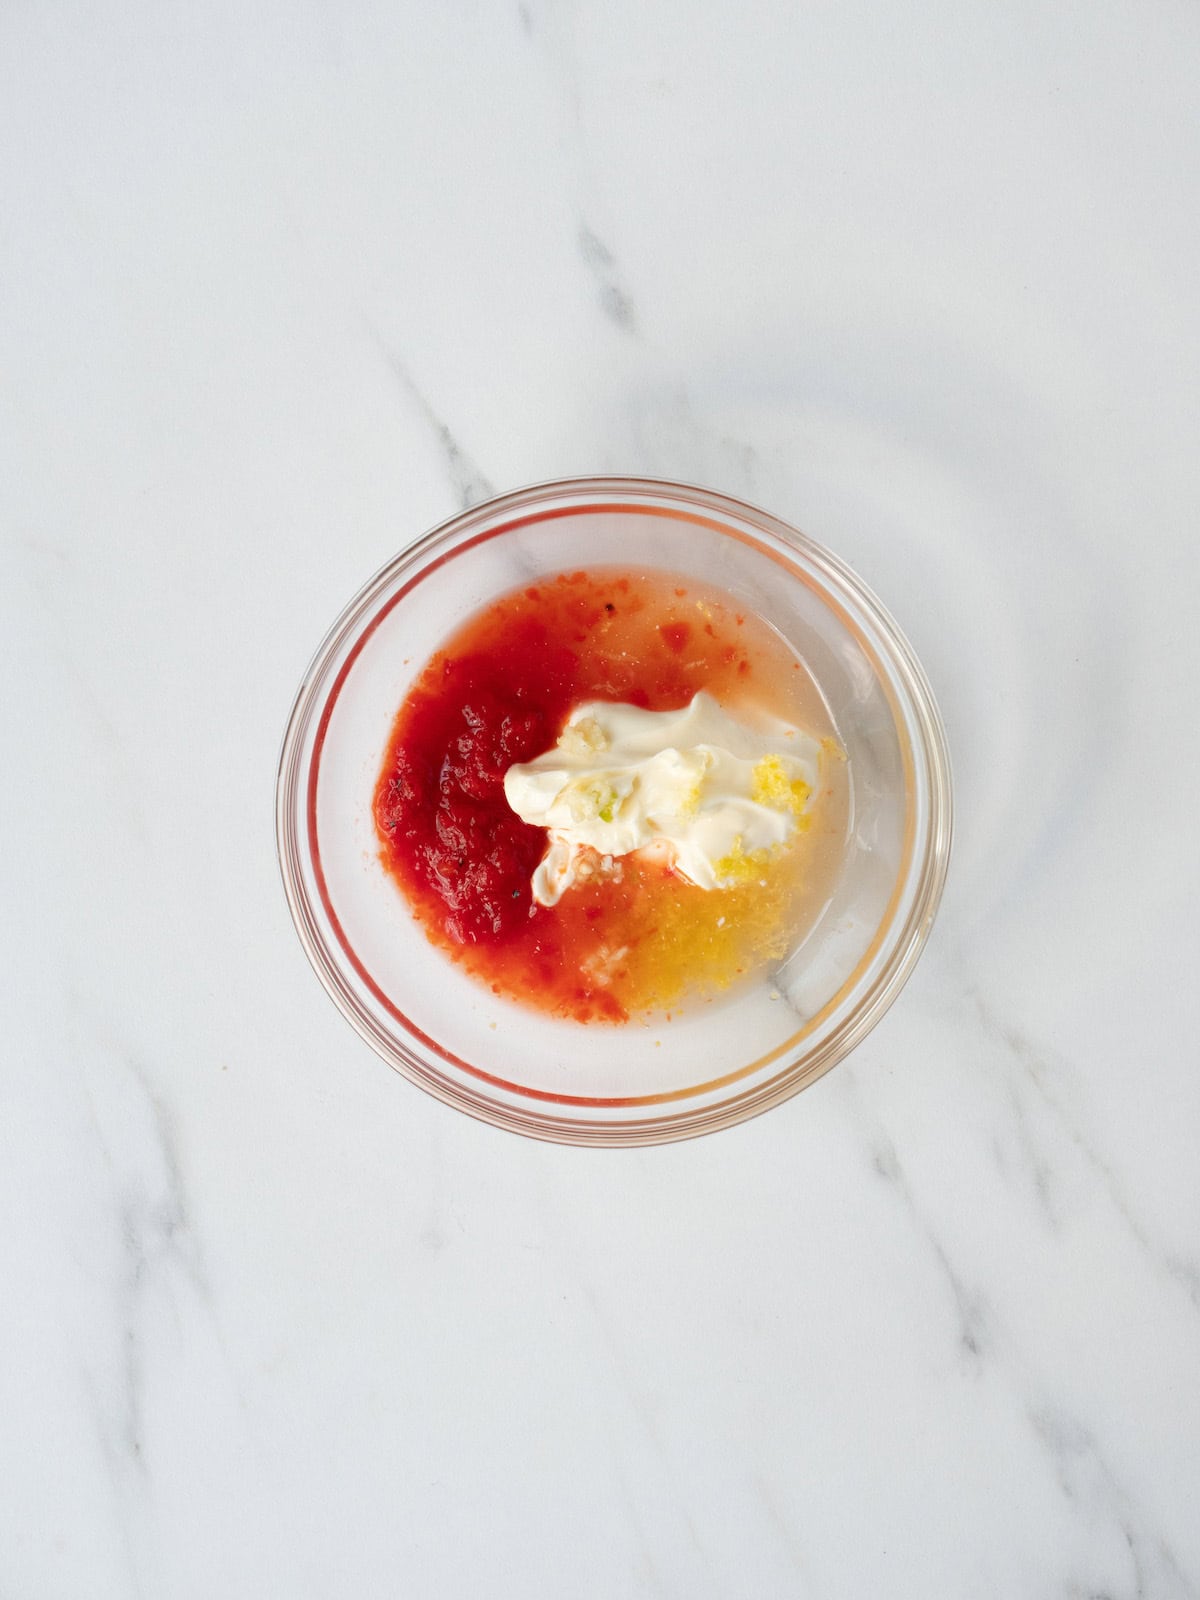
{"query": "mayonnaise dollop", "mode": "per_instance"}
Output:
(716, 797)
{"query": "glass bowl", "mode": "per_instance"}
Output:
(640, 1082)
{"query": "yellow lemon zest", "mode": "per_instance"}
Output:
(773, 787)
(690, 803)
(744, 866)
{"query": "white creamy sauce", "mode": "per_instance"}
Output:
(698, 786)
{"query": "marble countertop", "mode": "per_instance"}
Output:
(279, 288)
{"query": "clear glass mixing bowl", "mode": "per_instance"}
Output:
(641, 1082)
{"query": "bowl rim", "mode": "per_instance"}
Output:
(922, 735)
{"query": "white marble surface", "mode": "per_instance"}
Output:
(279, 287)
